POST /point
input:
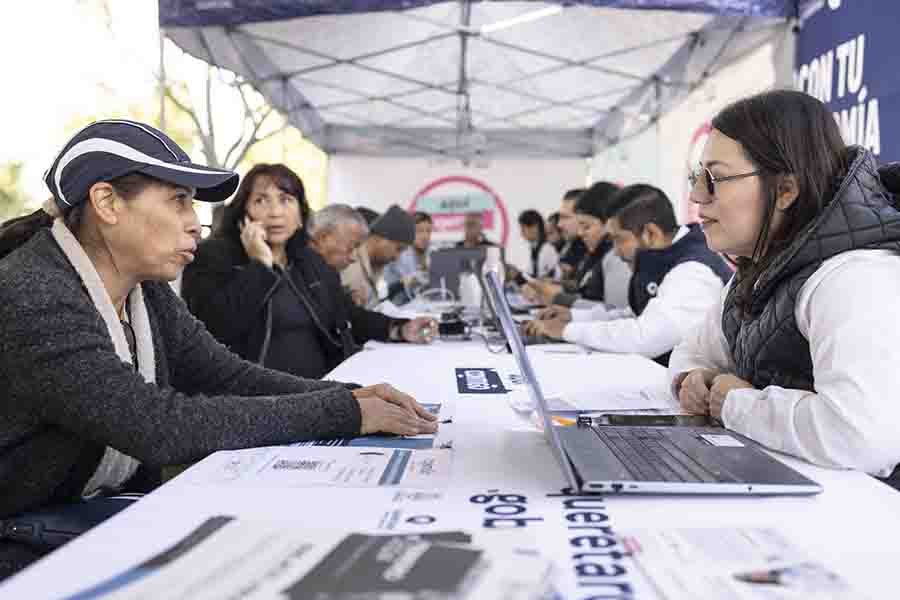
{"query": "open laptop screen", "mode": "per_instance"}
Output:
(531, 383)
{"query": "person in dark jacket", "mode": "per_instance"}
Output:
(263, 292)
(571, 248)
(800, 352)
(105, 374)
(473, 232)
(601, 276)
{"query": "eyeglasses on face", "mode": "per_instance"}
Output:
(701, 173)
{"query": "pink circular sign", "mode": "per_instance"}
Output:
(449, 199)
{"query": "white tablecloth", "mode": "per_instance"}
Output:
(503, 476)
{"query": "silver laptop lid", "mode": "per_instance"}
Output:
(531, 383)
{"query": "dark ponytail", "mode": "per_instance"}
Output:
(532, 218)
(16, 232)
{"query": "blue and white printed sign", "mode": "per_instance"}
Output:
(846, 57)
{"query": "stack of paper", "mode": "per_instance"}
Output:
(746, 564)
(229, 558)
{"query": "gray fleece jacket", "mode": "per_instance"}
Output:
(65, 395)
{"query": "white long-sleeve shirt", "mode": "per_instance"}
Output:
(846, 310)
(547, 262)
(683, 298)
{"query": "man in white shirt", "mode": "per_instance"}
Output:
(676, 280)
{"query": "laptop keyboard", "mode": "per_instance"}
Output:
(651, 455)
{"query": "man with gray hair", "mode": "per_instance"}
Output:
(335, 232)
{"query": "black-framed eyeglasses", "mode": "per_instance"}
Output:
(700, 172)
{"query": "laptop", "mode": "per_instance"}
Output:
(446, 265)
(652, 454)
(494, 321)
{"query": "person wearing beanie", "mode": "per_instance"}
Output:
(106, 376)
(601, 276)
(389, 235)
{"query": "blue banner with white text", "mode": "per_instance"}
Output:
(847, 57)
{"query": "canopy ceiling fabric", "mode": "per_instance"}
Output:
(469, 79)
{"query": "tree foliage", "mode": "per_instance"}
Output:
(14, 201)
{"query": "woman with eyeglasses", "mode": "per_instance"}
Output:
(105, 375)
(801, 353)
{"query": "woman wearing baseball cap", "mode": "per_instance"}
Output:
(106, 376)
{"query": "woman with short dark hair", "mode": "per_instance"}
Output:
(801, 352)
(265, 293)
(106, 376)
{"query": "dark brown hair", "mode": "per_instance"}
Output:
(784, 132)
(16, 232)
(284, 179)
(638, 204)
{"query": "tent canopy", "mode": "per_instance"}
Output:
(469, 79)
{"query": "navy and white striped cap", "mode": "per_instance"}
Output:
(109, 149)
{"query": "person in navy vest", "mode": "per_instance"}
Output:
(801, 351)
(676, 280)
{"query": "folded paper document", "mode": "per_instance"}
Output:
(231, 558)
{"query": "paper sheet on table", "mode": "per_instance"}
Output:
(562, 348)
(291, 466)
(443, 438)
(389, 309)
(621, 382)
(235, 558)
(744, 564)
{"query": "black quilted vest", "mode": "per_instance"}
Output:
(589, 275)
(766, 345)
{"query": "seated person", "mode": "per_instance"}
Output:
(473, 232)
(106, 376)
(264, 293)
(335, 232)
(602, 276)
(544, 263)
(369, 215)
(389, 235)
(800, 353)
(571, 248)
(411, 267)
(676, 280)
(553, 234)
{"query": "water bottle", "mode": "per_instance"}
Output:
(493, 263)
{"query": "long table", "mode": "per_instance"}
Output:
(503, 477)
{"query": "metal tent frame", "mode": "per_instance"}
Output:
(464, 79)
